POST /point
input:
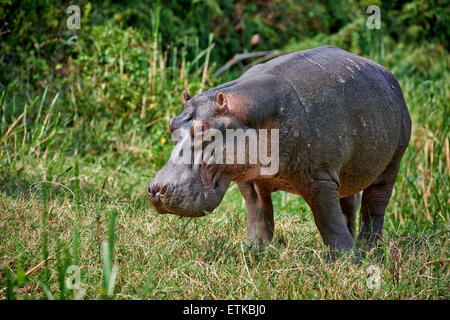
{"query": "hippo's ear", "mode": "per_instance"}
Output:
(186, 96)
(221, 100)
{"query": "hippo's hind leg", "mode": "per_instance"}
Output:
(260, 222)
(326, 208)
(349, 205)
(375, 199)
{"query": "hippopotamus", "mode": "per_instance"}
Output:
(343, 127)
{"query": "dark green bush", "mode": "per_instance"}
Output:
(37, 48)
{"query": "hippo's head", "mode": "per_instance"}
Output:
(215, 143)
(184, 186)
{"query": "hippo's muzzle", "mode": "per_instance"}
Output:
(181, 190)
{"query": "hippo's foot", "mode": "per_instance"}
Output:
(348, 255)
(260, 222)
(258, 244)
(326, 207)
(373, 207)
(368, 241)
(349, 205)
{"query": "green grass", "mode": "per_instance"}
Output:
(73, 192)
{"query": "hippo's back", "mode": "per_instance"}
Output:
(326, 75)
(358, 122)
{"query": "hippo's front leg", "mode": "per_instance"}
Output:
(260, 223)
(325, 205)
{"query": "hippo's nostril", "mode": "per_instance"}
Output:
(154, 188)
(172, 125)
(149, 190)
(164, 189)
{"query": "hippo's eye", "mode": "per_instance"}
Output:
(198, 127)
(188, 118)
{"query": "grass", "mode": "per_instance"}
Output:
(73, 192)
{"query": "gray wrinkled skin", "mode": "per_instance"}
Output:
(344, 127)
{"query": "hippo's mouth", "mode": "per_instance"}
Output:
(190, 191)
